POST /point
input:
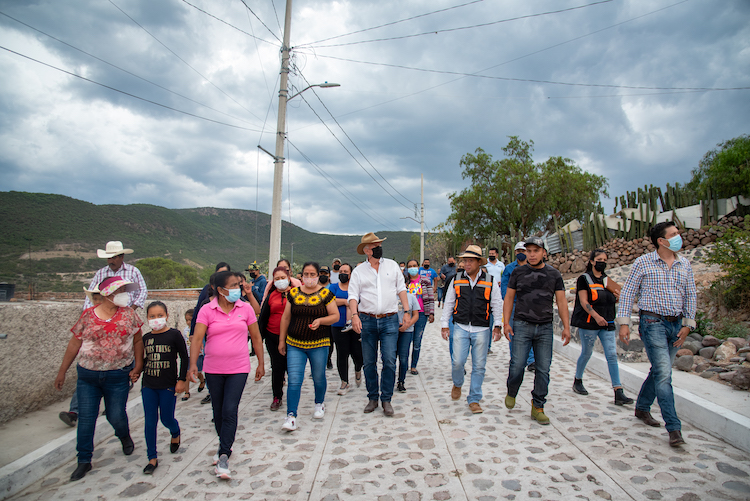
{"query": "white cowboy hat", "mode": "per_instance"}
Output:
(113, 249)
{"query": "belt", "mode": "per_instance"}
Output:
(378, 316)
(662, 317)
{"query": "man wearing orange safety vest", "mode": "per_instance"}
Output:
(472, 297)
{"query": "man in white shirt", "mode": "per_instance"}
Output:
(494, 267)
(114, 253)
(335, 270)
(477, 297)
(375, 288)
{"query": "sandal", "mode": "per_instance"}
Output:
(414, 371)
(358, 378)
(201, 386)
(186, 396)
(344, 388)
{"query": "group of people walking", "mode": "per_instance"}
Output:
(376, 308)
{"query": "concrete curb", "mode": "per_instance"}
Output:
(28, 469)
(722, 423)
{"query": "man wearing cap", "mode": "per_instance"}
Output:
(375, 288)
(447, 272)
(520, 251)
(258, 280)
(335, 265)
(473, 297)
(114, 253)
(535, 286)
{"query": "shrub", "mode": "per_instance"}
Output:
(732, 253)
(727, 328)
(160, 273)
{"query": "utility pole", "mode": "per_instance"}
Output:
(421, 235)
(278, 163)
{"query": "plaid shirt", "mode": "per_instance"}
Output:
(660, 289)
(127, 272)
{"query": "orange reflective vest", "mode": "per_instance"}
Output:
(472, 303)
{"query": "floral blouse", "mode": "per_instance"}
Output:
(107, 344)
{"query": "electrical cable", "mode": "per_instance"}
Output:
(125, 93)
(228, 24)
(276, 14)
(261, 21)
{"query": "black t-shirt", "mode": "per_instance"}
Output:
(160, 366)
(535, 292)
(604, 305)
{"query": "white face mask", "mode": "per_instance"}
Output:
(157, 324)
(122, 299)
(281, 284)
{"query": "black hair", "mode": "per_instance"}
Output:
(426, 259)
(659, 230)
(313, 264)
(402, 263)
(223, 265)
(221, 278)
(190, 312)
(347, 264)
(407, 277)
(592, 256)
(283, 260)
(154, 304)
(494, 249)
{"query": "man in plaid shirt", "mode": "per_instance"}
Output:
(663, 283)
(114, 253)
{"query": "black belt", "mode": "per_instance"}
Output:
(662, 317)
(378, 316)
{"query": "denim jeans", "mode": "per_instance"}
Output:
(450, 336)
(588, 338)
(404, 344)
(92, 386)
(382, 331)
(530, 358)
(477, 342)
(416, 342)
(296, 361)
(74, 402)
(658, 338)
(155, 403)
(226, 392)
(525, 337)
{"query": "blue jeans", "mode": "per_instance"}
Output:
(385, 332)
(417, 338)
(92, 386)
(156, 402)
(525, 337)
(296, 361)
(404, 344)
(226, 392)
(530, 358)
(658, 338)
(74, 402)
(476, 342)
(440, 294)
(450, 337)
(588, 338)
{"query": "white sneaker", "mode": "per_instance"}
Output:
(222, 468)
(216, 459)
(320, 411)
(347, 327)
(290, 424)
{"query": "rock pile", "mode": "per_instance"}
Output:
(728, 360)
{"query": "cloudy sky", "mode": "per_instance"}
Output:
(634, 90)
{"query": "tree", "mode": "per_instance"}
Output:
(160, 273)
(725, 170)
(516, 194)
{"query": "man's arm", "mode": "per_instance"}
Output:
(139, 300)
(562, 309)
(690, 301)
(504, 278)
(496, 304)
(354, 285)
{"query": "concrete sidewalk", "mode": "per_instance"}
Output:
(433, 448)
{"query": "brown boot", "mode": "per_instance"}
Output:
(456, 392)
(675, 438)
(646, 417)
(371, 406)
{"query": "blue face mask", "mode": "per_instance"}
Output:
(234, 295)
(413, 271)
(675, 243)
(521, 257)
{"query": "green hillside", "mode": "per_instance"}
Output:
(63, 232)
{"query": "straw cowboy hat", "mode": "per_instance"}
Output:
(370, 238)
(113, 249)
(90, 293)
(476, 252)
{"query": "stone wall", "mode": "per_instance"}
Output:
(37, 335)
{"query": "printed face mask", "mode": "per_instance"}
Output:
(122, 299)
(310, 282)
(157, 324)
(281, 284)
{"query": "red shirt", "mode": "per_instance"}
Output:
(277, 303)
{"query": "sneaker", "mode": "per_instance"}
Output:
(215, 459)
(275, 404)
(290, 424)
(320, 411)
(206, 400)
(510, 402)
(400, 387)
(347, 327)
(222, 468)
(538, 414)
(69, 418)
(344, 388)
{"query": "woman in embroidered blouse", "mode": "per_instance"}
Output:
(108, 339)
(306, 334)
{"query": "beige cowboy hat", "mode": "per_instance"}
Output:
(370, 238)
(476, 252)
(90, 292)
(113, 249)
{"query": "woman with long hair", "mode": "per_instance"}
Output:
(269, 322)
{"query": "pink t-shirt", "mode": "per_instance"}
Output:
(415, 287)
(226, 337)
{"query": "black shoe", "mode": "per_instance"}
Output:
(206, 400)
(578, 387)
(330, 365)
(149, 469)
(621, 399)
(127, 445)
(531, 367)
(69, 418)
(174, 446)
(400, 387)
(80, 471)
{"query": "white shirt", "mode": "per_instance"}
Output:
(377, 292)
(496, 270)
(334, 276)
(496, 305)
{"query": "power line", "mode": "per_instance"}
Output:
(460, 28)
(122, 69)
(261, 21)
(178, 57)
(228, 24)
(125, 93)
(276, 14)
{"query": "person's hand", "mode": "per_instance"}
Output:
(192, 374)
(566, 336)
(181, 387)
(432, 318)
(681, 336)
(357, 324)
(508, 330)
(282, 348)
(260, 372)
(315, 324)
(401, 328)
(624, 334)
(497, 333)
(134, 375)
(59, 381)
(600, 321)
(445, 332)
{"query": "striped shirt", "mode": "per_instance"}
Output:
(659, 289)
(127, 272)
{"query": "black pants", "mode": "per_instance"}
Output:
(226, 392)
(278, 365)
(347, 344)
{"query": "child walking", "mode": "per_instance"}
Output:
(186, 337)
(161, 381)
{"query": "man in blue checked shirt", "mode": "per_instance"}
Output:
(664, 284)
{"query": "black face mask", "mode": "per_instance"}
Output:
(493, 258)
(323, 279)
(343, 277)
(377, 252)
(600, 266)
(336, 267)
(459, 270)
(426, 266)
(451, 264)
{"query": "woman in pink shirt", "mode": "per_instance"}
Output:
(226, 322)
